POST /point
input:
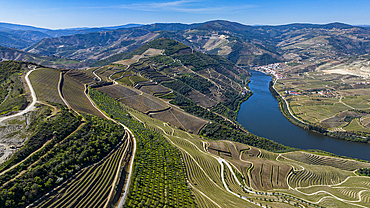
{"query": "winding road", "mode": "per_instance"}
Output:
(286, 103)
(29, 107)
(127, 186)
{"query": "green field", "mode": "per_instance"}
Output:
(92, 186)
(204, 176)
(327, 99)
(125, 81)
(356, 126)
(45, 83)
(137, 79)
(159, 178)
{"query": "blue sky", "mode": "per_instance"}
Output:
(79, 13)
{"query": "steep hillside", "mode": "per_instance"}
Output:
(93, 46)
(167, 137)
(22, 36)
(239, 43)
(267, 44)
(18, 55)
(20, 39)
(198, 83)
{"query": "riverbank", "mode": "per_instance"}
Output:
(285, 109)
(263, 115)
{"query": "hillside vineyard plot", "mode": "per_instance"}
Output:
(92, 186)
(73, 92)
(45, 83)
(159, 175)
(60, 160)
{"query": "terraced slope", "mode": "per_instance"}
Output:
(154, 107)
(45, 82)
(314, 159)
(158, 165)
(92, 186)
(73, 87)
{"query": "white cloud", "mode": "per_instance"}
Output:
(184, 6)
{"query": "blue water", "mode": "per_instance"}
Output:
(260, 115)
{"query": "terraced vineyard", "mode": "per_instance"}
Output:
(317, 176)
(45, 83)
(204, 171)
(264, 172)
(314, 159)
(94, 186)
(158, 165)
(82, 160)
(154, 107)
(73, 91)
(154, 89)
(59, 159)
(106, 71)
(134, 98)
(259, 173)
(181, 119)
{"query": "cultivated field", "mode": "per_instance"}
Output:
(201, 99)
(92, 186)
(134, 98)
(147, 53)
(73, 92)
(124, 73)
(81, 76)
(314, 159)
(45, 83)
(118, 91)
(106, 71)
(159, 178)
(331, 100)
(180, 119)
(268, 174)
(155, 89)
(260, 173)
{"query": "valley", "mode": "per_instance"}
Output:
(149, 116)
(328, 93)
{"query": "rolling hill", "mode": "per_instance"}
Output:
(18, 55)
(241, 44)
(156, 128)
(22, 36)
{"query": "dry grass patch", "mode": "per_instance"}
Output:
(313, 159)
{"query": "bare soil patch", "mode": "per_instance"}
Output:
(181, 119)
(73, 92)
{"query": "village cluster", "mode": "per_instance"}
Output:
(270, 69)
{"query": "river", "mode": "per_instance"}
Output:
(261, 116)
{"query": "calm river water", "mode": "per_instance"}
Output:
(260, 115)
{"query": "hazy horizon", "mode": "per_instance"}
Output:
(82, 13)
(107, 26)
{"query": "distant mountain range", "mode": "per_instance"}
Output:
(51, 61)
(22, 36)
(241, 44)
